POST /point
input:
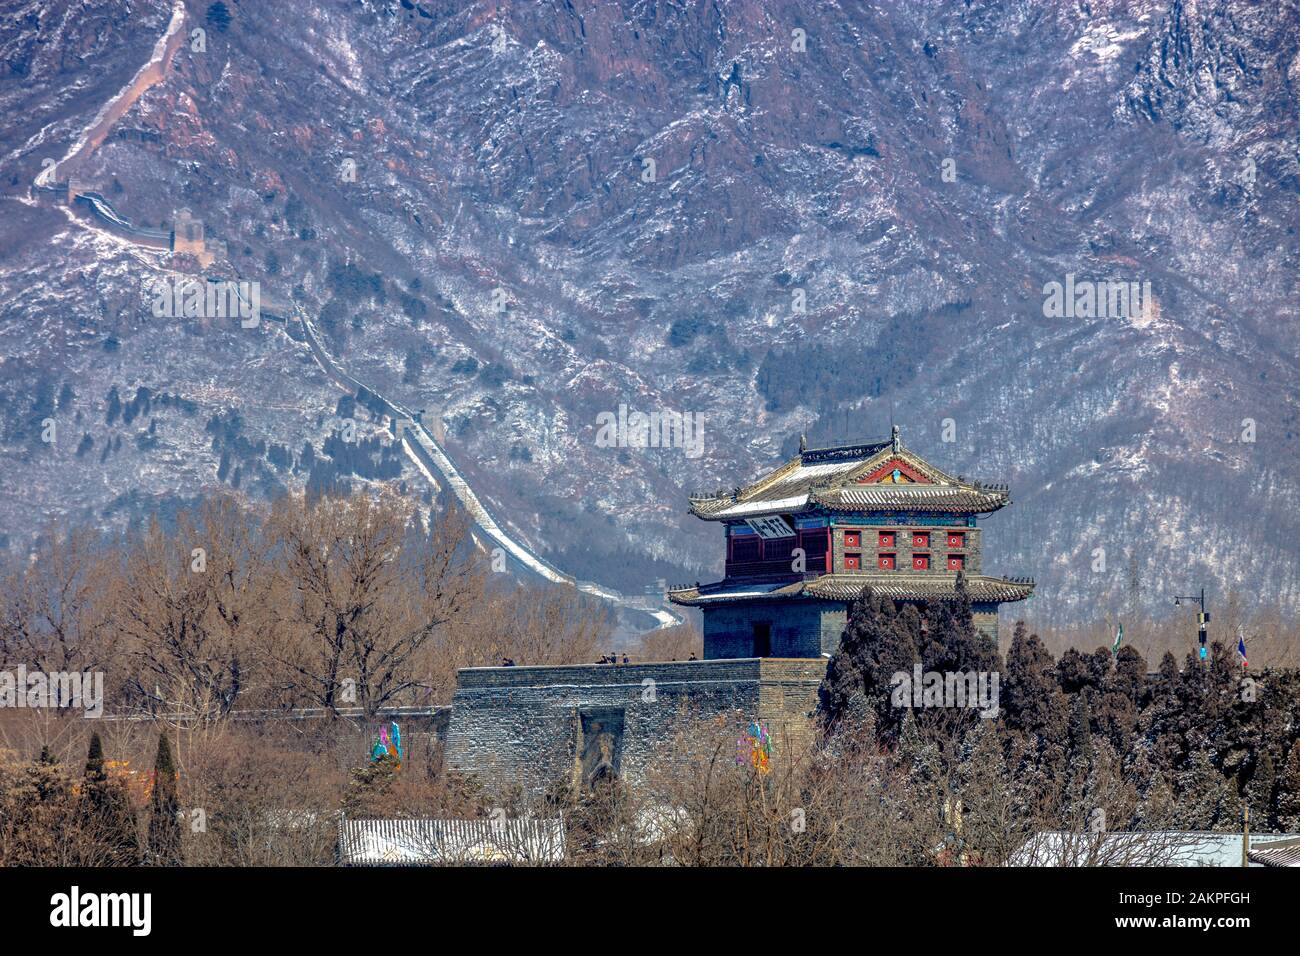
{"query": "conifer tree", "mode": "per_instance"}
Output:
(1108, 790)
(1130, 676)
(1167, 675)
(842, 689)
(34, 814)
(1155, 796)
(1080, 757)
(1259, 790)
(990, 827)
(164, 842)
(1207, 800)
(877, 642)
(921, 762)
(1288, 792)
(104, 812)
(1032, 701)
(95, 774)
(1159, 808)
(1080, 730)
(48, 780)
(1073, 672)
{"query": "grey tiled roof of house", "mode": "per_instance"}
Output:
(845, 587)
(831, 478)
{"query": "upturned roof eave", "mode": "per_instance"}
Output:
(816, 503)
(1013, 589)
(986, 499)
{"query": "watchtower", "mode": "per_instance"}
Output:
(805, 539)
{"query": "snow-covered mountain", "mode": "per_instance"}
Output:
(777, 217)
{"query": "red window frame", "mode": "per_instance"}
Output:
(852, 539)
(920, 539)
(920, 562)
(853, 562)
(886, 539)
(956, 562)
(886, 562)
(956, 539)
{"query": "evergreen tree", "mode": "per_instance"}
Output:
(954, 644)
(842, 689)
(370, 787)
(1207, 800)
(164, 843)
(1259, 791)
(1115, 705)
(1155, 806)
(104, 813)
(35, 804)
(920, 759)
(1073, 672)
(877, 642)
(951, 645)
(1131, 675)
(990, 829)
(1032, 701)
(48, 781)
(1166, 675)
(1080, 756)
(1080, 730)
(1159, 808)
(1288, 792)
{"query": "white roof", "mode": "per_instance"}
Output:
(1139, 848)
(423, 842)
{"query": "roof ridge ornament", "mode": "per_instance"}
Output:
(893, 434)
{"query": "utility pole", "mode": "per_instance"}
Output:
(1245, 835)
(1202, 617)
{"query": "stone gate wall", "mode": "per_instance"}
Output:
(525, 725)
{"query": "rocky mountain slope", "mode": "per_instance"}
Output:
(779, 217)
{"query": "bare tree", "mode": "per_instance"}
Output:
(53, 616)
(186, 659)
(366, 590)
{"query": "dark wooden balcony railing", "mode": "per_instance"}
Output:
(776, 568)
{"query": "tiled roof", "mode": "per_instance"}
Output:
(1149, 848)
(896, 585)
(903, 586)
(424, 842)
(1278, 853)
(964, 499)
(831, 478)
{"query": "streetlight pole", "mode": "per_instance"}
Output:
(1202, 617)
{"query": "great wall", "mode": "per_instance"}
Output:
(420, 446)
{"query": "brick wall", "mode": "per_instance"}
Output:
(903, 549)
(523, 724)
(800, 628)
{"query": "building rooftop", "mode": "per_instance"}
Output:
(1148, 848)
(1279, 852)
(876, 476)
(425, 842)
(897, 585)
